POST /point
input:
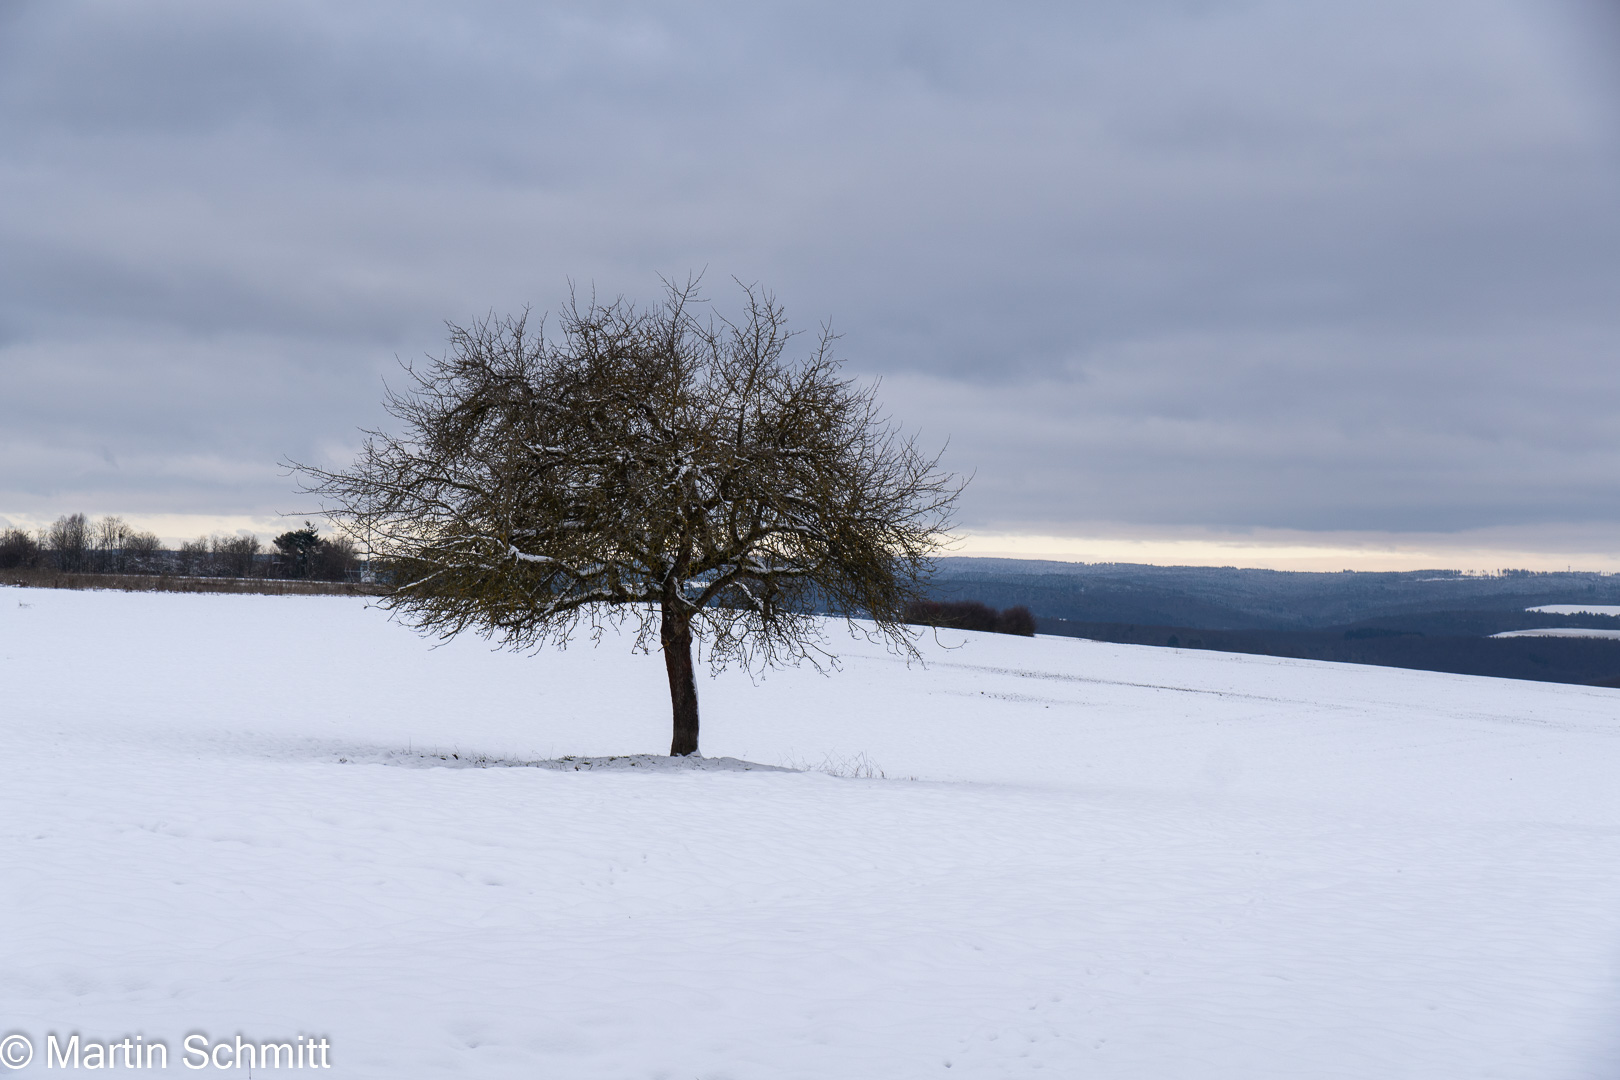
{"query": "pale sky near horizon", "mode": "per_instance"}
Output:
(1317, 285)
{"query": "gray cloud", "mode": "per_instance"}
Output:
(1235, 265)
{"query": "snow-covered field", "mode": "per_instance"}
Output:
(1560, 631)
(229, 815)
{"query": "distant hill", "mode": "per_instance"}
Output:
(1231, 598)
(1432, 620)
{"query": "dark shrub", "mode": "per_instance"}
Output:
(296, 551)
(970, 615)
(305, 553)
(335, 559)
(17, 548)
(1016, 620)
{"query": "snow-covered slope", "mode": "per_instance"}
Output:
(1560, 631)
(229, 816)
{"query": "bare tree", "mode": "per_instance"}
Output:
(234, 556)
(109, 536)
(143, 553)
(647, 465)
(69, 542)
(193, 557)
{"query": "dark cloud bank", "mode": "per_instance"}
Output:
(1160, 265)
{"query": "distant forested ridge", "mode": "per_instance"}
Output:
(1434, 620)
(1235, 599)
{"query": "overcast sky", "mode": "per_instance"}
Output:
(1177, 279)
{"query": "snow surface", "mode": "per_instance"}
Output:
(1577, 609)
(1082, 860)
(1560, 631)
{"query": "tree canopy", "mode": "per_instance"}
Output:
(678, 471)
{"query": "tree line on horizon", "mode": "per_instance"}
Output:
(75, 544)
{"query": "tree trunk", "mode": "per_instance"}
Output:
(675, 634)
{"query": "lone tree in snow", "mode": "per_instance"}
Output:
(645, 465)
